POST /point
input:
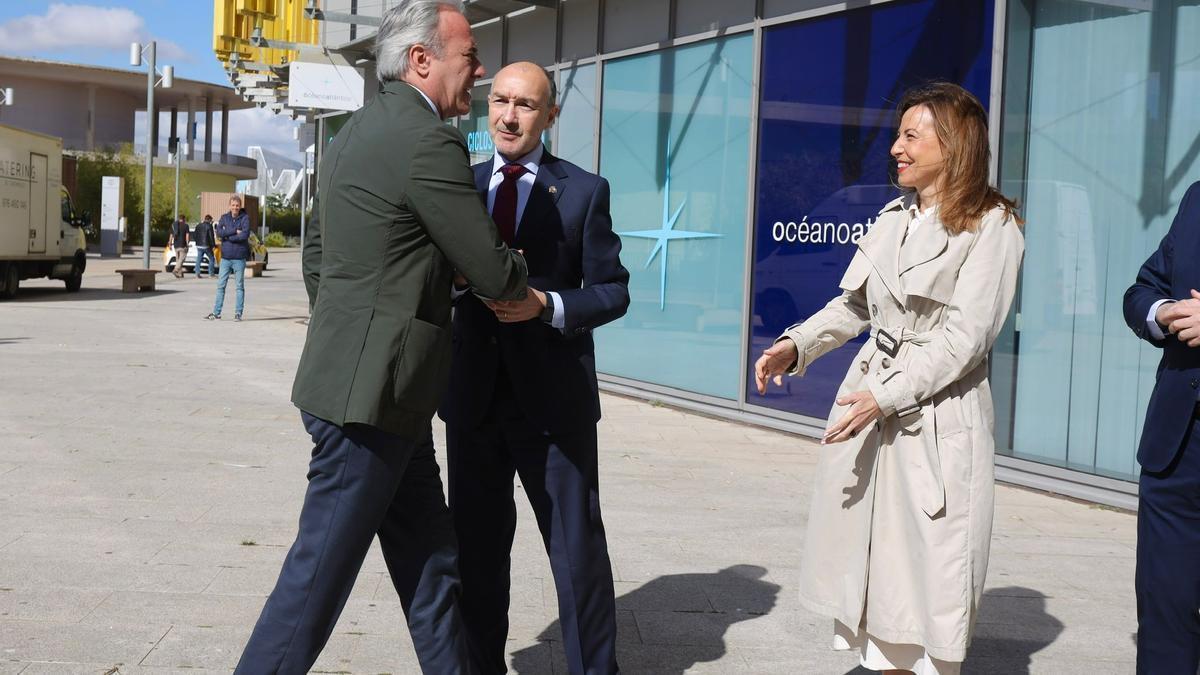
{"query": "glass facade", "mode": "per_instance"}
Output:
(576, 128)
(675, 147)
(474, 126)
(823, 158)
(1102, 139)
(744, 166)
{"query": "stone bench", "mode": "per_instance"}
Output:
(135, 280)
(255, 267)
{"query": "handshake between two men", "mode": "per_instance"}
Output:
(521, 395)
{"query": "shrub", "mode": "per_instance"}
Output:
(93, 166)
(275, 240)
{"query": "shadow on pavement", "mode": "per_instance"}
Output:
(85, 294)
(12, 340)
(681, 621)
(1013, 626)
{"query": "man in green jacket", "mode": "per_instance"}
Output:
(398, 214)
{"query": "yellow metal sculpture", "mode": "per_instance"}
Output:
(283, 24)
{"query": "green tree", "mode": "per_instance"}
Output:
(276, 202)
(92, 167)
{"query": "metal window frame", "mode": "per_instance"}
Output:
(739, 404)
(1015, 470)
(738, 407)
(751, 214)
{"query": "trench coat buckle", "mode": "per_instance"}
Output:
(886, 343)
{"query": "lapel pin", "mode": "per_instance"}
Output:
(553, 189)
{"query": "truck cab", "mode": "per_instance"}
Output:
(72, 242)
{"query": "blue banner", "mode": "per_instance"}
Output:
(827, 122)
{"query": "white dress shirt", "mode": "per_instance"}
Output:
(531, 162)
(1152, 322)
(917, 217)
(427, 100)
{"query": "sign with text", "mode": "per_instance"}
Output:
(324, 86)
(824, 168)
(112, 209)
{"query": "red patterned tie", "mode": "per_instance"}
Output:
(504, 209)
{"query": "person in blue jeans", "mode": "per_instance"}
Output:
(234, 232)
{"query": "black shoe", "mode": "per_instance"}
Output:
(236, 317)
(212, 317)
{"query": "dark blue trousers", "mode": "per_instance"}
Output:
(1168, 565)
(363, 483)
(560, 480)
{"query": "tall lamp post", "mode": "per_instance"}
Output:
(299, 135)
(136, 50)
(180, 152)
(304, 198)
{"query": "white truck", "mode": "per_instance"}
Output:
(40, 233)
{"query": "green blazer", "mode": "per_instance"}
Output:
(397, 212)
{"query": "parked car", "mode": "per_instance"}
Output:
(257, 252)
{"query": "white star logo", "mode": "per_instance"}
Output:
(665, 234)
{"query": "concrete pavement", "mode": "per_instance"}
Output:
(152, 468)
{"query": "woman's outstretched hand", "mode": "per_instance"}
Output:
(774, 362)
(864, 409)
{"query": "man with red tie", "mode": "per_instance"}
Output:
(523, 398)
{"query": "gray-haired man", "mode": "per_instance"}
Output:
(398, 213)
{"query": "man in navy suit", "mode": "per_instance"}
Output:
(523, 396)
(1163, 308)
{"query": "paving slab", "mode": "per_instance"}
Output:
(152, 470)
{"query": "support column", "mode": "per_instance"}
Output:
(224, 133)
(153, 115)
(191, 124)
(207, 129)
(90, 141)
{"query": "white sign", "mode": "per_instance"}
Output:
(324, 85)
(112, 202)
(306, 135)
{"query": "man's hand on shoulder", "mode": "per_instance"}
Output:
(1182, 319)
(515, 311)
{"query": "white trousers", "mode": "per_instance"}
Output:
(876, 654)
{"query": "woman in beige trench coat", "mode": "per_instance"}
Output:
(901, 519)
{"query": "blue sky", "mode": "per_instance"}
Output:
(98, 32)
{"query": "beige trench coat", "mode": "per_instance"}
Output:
(901, 518)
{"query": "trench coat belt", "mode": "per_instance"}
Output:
(929, 474)
(888, 340)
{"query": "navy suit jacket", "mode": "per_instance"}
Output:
(571, 249)
(1170, 273)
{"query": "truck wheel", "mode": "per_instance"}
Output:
(75, 281)
(12, 279)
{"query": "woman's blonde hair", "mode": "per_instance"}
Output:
(961, 124)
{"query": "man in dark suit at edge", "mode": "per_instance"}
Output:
(1163, 308)
(523, 395)
(398, 212)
